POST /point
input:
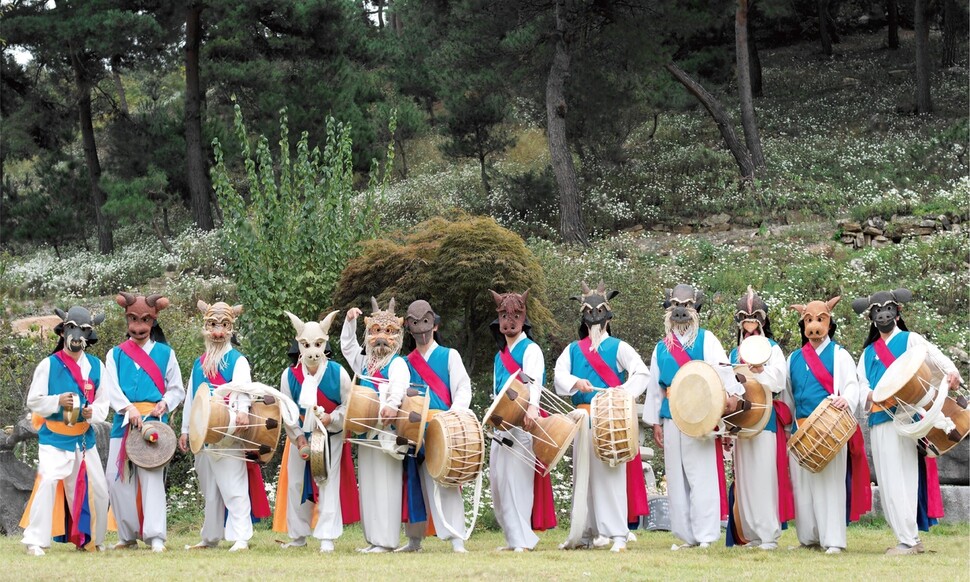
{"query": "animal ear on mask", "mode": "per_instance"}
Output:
(202, 306)
(97, 319)
(831, 303)
(297, 323)
(124, 299)
(576, 298)
(860, 305)
(585, 287)
(799, 308)
(613, 293)
(525, 298)
(328, 321)
(373, 303)
(699, 299)
(902, 295)
(400, 323)
(391, 304)
(496, 297)
(60, 314)
(237, 310)
(157, 301)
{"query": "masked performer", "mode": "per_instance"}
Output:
(379, 366)
(512, 480)
(65, 396)
(908, 480)
(449, 387)
(224, 475)
(320, 387)
(762, 487)
(694, 466)
(600, 361)
(145, 383)
(822, 369)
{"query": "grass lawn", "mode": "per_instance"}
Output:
(649, 558)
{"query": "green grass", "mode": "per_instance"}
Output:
(649, 558)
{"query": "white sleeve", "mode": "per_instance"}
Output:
(393, 391)
(242, 372)
(714, 355)
(846, 379)
(293, 432)
(863, 380)
(563, 380)
(935, 357)
(461, 384)
(174, 389)
(187, 406)
(338, 414)
(651, 406)
(534, 366)
(99, 408)
(116, 396)
(775, 375)
(636, 371)
(38, 400)
(350, 347)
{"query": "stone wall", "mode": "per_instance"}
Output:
(877, 232)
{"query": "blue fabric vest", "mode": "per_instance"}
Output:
(135, 383)
(329, 385)
(772, 425)
(518, 354)
(581, 368)
(669, 366)
(438, 361)
(874, 370)
(226, 368)
(60, 381)
(807, 392)
(385, 371)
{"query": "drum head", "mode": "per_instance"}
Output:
(199, 419)
(436, 447)
(319, 456)
(697, 398)
(150, 455)
(509, 405)
(551, 438)
(755, 350)
(72, 413)
(753, 421)
(899, 373)
(266, 427)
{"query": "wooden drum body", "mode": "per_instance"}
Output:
(212, 421)
(551, 437)
(821, 436)
(907, 380)
(509, 406)
(937, 442)
(454, 447)
(413, 418)
(361, 415)
(755, 410)
(616, 432)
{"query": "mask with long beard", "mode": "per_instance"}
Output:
(217, 329)
(596, 312)
(76, 329)
(683, 304)
(383, 336)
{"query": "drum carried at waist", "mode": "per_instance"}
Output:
(821, 436)
(412, 419)
(616, 432)
(454, 447)
(362, 410)
(213, 421)
(699, 403)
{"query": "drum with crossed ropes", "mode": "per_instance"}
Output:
(413, 417)
(362, 409)
(821, 436)
(454, 447)
(509, 406)
(616, 432)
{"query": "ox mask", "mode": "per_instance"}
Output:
(512, 319)
(312, 339)
(76, 330)
(816, 321)
(751, 316)
(141, 315)
(383, 336)
(596, 312)
(683, 304)
(885, 311)
(217, 331)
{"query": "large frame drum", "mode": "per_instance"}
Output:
(616, 432)
(454, 448)
(823, 434)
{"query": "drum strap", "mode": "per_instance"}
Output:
(429, 376)
(883, 352)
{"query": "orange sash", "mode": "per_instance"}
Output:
(60, 504)
(59, 427)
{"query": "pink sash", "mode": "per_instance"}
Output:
(429, 376)
(145, 362)
(599, 365)
(86, 388)
(218, 379)
(677, 350)
(786, 497)
(861, 492)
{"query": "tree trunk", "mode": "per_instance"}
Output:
(105, 240)
(921, 27)
(196, 172)
(823, 27)
(571, 226)
(949, 34)
(892, 15)
(485, 184)
(713, 106)
(749, 122)
(119, 86)
(753, 57)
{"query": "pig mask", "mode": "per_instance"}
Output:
(816, 320)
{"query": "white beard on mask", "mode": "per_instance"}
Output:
(686, 331)
(597, 333)
(214, 354)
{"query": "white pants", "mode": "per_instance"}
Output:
(225, 485)
(124, 495)
(820, 502)
(692, 486)
(300, 515)
(452, 509)
(756, 488)
(606, 499)
(512, 480)
(897, 471)
(54, 465)
(380, 496)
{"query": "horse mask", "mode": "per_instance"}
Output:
(816, 320)
(76, 329)
(751, 316)
(312, 338)
(683, 304)
(595, 311)
(217, 331)
(141, 314)
(884, 308)
(383, 335)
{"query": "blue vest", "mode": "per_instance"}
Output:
(580, 367)
(227, 368)
(669, 366)
(518, 354)
(874, 370)
(135, 383)
(329, 385)
(807, 392)
(438, 361)
(385, 371)
(772, 425)
(60, 381)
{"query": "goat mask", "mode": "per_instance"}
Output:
(884, 309)
(595, 311)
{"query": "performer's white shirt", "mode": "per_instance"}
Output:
(845, 384)
(44, 404)
(713, 354)
(461, 384)
(174, 389)
(312, 381)
(533, 366)
(241, 373)
(627, 359)
(393, 391)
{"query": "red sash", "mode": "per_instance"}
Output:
(86, 388)
(861, 492)
(677, 350)
(218, 379)
(429, 376)
(145, 362)
(599, 365)
(786, 497)
(259, 502)
(511, 366)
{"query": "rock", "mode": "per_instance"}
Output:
(872, 231)
(716, 220)
(956, 503)
(659, 518)
(723, 227)
(848, 239)
(923, 231)
(16, 482)
(876, 222)
(857, 264)
(660, 228)
(927, 223)
(944, 221)
(881, 241)
(956, 228)
(860, 241)
(954, 466)
(850, 226)
(682, 229)
(635, 229)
